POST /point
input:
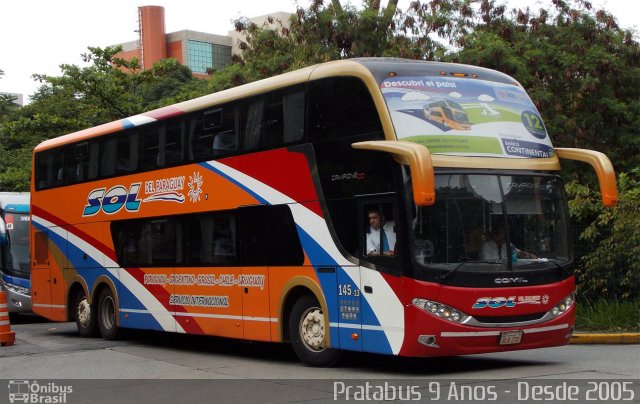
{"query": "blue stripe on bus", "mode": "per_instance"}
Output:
(14, 280)
(16, 208)
(127, 124)
(377, 340)
(239, 184)
(126, 299)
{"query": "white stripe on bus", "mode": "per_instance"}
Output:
(496, 333)
(157, 310)
(386, 305)
(206, 315)
(49, 306)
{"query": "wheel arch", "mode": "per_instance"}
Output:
(100, 284)
(77, 285)
(292, 291)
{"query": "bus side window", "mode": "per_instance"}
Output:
(380, 235)
(108, 157)
(127, 153)
(151, 145)
(57, 169)
(93, 163)
(76, 161)
(200, 140)
(173, 145)
(293, 112)
(253, 124)
(275, 119)
(42, 180)
(222, 123)
(340, 107)
(269, 236)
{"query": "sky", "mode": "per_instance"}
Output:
(37, 36)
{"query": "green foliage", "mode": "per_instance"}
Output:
(579, 67)
(609, 316)
(610, 268)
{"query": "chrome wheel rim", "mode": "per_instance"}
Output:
(84, 312)
(312, 329)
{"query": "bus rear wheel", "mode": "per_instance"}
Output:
(308, 332)
(85, 316)
(107, 315)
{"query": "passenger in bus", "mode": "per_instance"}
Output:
(496, 247)
(380, 231)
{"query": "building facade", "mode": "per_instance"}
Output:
(203, 53)
(18, 99)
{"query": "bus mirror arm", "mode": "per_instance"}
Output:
(602, 166)
(419, 160)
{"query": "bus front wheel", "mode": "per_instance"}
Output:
(85, 316)
(308, 332)
(107, 315)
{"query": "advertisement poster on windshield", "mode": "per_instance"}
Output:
(468, 117)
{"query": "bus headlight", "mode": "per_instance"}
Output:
(563, 306)
(440, 310)
(17, 289)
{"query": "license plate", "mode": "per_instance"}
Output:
(510, 337)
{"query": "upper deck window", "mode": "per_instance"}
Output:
(340, 107)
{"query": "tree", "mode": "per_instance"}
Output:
(81, 97)
(580, 68)
(608, 266)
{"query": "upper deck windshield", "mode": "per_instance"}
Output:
(15, 254)
(491, 223)
(466, 116)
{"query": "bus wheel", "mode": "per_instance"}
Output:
(85, 316)
(308, 332)
(107, 315)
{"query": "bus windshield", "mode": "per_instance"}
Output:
(16, 254)
(492, 223)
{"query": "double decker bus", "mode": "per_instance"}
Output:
(320, 207)
(15, 276)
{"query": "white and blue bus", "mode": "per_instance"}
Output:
(15, 271)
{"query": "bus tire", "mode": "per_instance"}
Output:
(85, 316)
(107, 314)
(308, 333)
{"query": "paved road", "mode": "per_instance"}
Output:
(271, 372)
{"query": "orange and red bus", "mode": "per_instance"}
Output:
(320, 207)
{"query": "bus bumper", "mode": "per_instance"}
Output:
(18, 298)
(448, 339)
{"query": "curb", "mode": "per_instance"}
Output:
(620, 338)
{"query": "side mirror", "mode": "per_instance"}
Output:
(3, 232)
(601, 165)
(417, 157)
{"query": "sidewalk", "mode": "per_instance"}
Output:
(605, 338)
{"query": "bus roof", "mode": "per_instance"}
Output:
(370, 69)
(14, 198)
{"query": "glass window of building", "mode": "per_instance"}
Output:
(200, 56)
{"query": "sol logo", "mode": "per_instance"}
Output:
(113, 200)
(495, 302)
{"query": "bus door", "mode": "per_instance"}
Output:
(380, 268)
(47, 280)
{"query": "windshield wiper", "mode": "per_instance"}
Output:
(460, 265)
(564, 270)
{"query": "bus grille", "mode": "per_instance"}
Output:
(509, 319)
